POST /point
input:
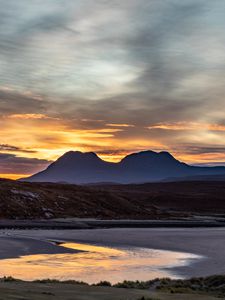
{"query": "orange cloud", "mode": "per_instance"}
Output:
(119, 125)
(28, 116)
(13, 176)
(201, 158)
(188, 126)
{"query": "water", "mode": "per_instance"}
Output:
(97, 263)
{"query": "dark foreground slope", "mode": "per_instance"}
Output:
(147, 166)
(11, 289)
(147, 201)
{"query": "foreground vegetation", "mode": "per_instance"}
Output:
(207, 288)
(214, 285)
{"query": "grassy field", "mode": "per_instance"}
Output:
(62, 291)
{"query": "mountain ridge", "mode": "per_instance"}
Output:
(146, 166)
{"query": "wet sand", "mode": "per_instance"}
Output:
(207, 242)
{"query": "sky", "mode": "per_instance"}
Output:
(113, 77)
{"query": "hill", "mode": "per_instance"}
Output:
(159, 201)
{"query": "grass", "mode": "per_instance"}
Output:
(59, 291)
(212, 285)
(54, 281)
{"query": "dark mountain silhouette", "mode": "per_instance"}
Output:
(216, 177)
(147, 166)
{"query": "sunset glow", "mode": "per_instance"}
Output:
(94, 263)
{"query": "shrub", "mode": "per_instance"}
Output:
(103, 283)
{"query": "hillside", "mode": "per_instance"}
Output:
(148, 201)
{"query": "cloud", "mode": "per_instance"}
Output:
(119, 125)
(11, 164)
(188, 126)
(206, 149)
(16, 102)
(28, 116)
(11, 148)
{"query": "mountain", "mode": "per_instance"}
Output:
(146, 166)
(216, 177)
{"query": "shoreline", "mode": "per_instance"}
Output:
(72, 224)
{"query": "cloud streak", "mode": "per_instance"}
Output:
(11, 148)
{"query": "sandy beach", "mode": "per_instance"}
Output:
(207, 242)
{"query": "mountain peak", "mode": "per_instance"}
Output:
(137, 155)
(149, 155)
(78, 155)
(166, 154)
(73, 153)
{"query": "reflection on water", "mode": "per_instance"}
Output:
(94, 263)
